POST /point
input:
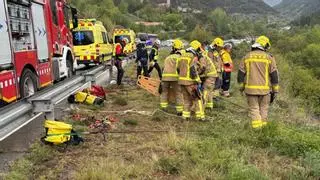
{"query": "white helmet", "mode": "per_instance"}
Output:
(228, 46)
(126, 40)
(113, 82)
(157, 42)
(138, 40)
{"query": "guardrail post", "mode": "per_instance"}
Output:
(45, 106)
(90, 78)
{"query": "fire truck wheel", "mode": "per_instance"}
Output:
(28, 83)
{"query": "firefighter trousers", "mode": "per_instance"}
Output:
(217, 86)
(164, 98)
(120, 70)
(143, 68)
(191, 102)
(157, 66)
(208, 86)
(258, 108)
(226, 80)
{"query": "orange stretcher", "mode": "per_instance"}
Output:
(150, 84)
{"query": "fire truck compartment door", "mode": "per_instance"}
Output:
(5, 47)
(40, 31)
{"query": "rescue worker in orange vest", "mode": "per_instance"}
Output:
(208, 75)
(214, 53)
(190, 82)
(258, 78)
(153, 57)
(227, 69)
(170, 78)
(118, 57)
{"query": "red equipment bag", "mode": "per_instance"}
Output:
(97, 90)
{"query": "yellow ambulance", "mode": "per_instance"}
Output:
(91, 43)
(128, 34)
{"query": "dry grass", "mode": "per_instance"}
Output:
(225, 148)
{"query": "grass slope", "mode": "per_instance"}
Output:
(224, 148)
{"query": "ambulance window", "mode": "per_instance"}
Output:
(82, 38)
(54, 11)
(105, 38)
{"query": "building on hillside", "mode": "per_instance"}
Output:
(161, 3)
(149, 23)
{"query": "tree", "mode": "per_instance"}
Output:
(218, 22)
(173, 22)
(200, 34)
(123, 7)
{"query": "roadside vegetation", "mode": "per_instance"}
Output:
(152, 144)
(223, 148)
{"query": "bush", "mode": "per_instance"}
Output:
(200, 34)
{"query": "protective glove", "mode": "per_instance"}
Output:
(273, 96)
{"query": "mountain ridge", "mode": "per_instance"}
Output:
(272, 3)
(231, 6)
(297, 8)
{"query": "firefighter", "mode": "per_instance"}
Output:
(170, 78)
(142, 59)
(190, 82)
(118, 56)
(208, 75)
(227, 69)
(153, 57)
(258, 78)
(214, 53)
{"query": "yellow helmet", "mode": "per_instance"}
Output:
(218, 42)
(177, 44)
(264, 41)
(195, 45)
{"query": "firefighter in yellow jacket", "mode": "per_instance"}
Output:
(258, 77)
(189, 80)
(215, 54)
(208, 76)
(170, 78)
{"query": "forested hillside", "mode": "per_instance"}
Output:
(297, 8)
(231, 6)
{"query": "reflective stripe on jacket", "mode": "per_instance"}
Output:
(154, 54)
(170, 67)
(258, 73)
(216, 59)
(226, 59)
(208, 68)
(186, 65)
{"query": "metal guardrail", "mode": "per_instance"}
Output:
(17, 115)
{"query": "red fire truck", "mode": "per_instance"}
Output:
(35, 45)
